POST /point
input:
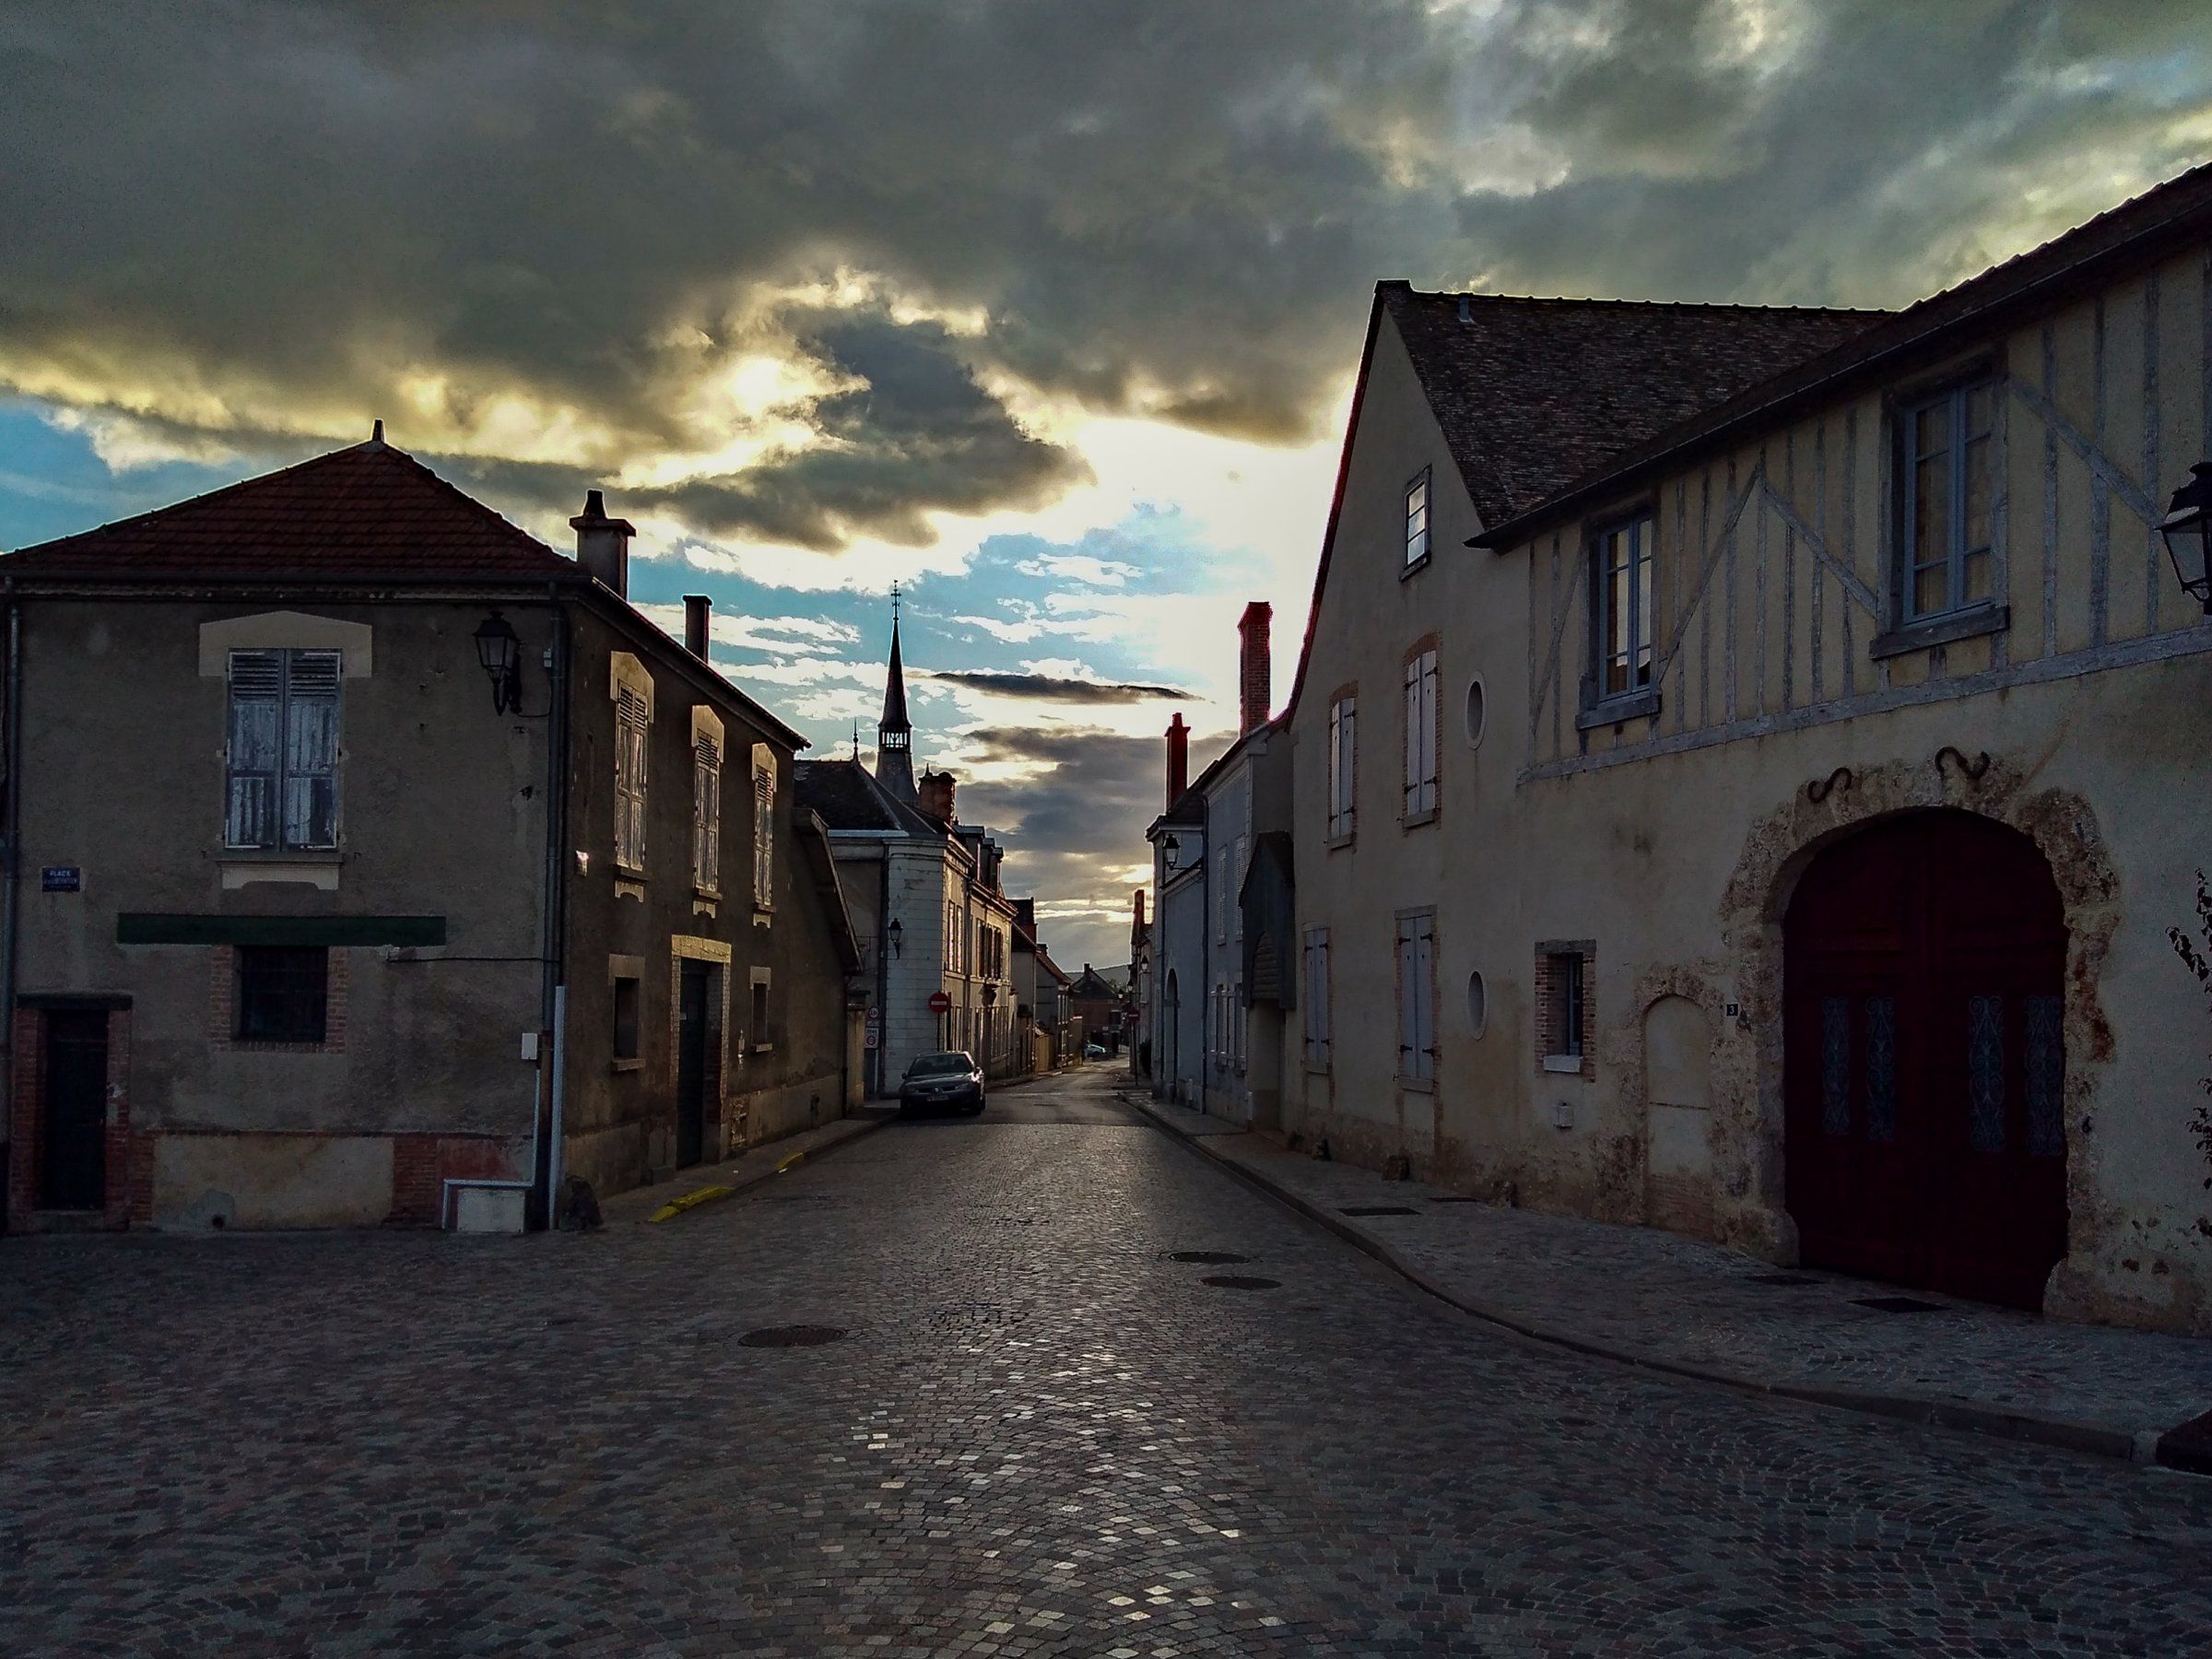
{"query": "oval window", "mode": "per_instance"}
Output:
(1477, 711)
(1478, 1003)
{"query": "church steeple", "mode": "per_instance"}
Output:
(894, 731)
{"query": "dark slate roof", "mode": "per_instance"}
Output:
(2169, 218)
(1088, 986)
(845, 795)
(1533, 394)
(365, 514)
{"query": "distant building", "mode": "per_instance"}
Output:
(1097, 1005)
(928, 903)
(417, 869)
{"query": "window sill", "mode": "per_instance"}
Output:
(1417, 566)
(1418, 1085)
(1316, 1071)
(626, 1065)
(1952, 626)
(761, 1048)
(1417, 819)
(1566, 1064)
(291, 856)
(1614, 711)
(1336, 842)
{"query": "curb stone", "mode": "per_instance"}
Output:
(2068, 1433)
(698, 1197)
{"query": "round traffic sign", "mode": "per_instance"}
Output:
(940, 1002)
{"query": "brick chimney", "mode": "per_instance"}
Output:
(1136, 924)
(1252, 665)
(935, 796)
(603, 543)
(1179, 758)
(696, 609)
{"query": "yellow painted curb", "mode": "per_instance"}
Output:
(792, 1160)
(691, 1200)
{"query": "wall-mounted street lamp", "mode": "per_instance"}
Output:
(1170, 847)
(501, 652)
(2188, 528)
(897, 935)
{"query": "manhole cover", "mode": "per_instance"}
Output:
(1780, 1279)
(1378, 1209)
(1898, 1304)
(791, 1337)
(1206, 1255)
(1239, 1281)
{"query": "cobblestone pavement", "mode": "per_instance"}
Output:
(1040, 1434)
(1637, 1290)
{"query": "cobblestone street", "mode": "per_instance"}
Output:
(1040, 1433)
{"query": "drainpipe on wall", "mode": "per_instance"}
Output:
(11, 852)
(553, 1002)
(1205, 937)
(883, 975)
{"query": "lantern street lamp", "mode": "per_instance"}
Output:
(898, 937)
(2188, 528)
(501, 652)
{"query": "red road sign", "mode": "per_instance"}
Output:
(940, 1002)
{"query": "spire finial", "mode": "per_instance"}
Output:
(894, 605)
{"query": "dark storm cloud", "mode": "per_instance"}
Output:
(1052, 688)
(258, 218)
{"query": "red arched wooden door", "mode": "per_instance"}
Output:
(1924, 1135)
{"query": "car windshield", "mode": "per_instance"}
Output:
(939, 1065)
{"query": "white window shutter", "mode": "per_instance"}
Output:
(254, 748)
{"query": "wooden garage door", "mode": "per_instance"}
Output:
(1924, 1059)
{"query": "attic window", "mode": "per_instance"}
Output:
(1416, 519)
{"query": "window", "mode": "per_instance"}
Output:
(1238, 1016)
(764, 827)
(633, 719)
(1239, 870)
(282, 750)
(1416, 519)
(1416, 997)
(1421, 733)
(757, 1034)
(1620, 605)
(626, 1024)
(1343, 756)
(283, 990)
(1564, 1005)
(956, 940)
(706, 814)
(1945, 516)
(1317, 997)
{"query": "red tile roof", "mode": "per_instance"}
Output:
(1532, 393)
(368, 512)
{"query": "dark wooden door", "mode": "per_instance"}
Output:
(691, 1063)
(1923, 1061)
(74, 1144)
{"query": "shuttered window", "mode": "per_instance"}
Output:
(1417, 998)
(1316, 990)
(281, 785)
(633, 720)
(1343, 754)
(764, 835)
(1421, 733)
(706, 814)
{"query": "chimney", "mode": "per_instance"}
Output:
(1179, 758)
(937, 795)
(603, 543)
(696, 607)
(1252, 665)
(1136, 925)
(1025, 915)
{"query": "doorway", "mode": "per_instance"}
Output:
(695, 982)
(1924, 1058)
(74, 1141)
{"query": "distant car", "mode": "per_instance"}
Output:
(1092, 1050)
(952, 1079)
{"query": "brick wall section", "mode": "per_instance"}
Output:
(23, 1123)
(130, 1173)
(129, 1158)
(422, 1164)
(1546, 1044)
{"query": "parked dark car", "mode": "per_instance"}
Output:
(952, 1079)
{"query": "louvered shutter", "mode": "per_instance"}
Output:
(764, 820)
(254, 748)
(1429, 733)
(1423, 997)
(629, 779)
(311, 749)
(706, 822)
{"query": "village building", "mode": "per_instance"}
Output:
(417, 871)
(1784, 758)
(1043, 1009)
(927, 898)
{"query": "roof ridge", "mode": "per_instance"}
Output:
(1489, 300)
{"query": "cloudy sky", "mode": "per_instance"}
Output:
(1047, 310)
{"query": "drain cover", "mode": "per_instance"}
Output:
(1376, 1209)
(1780, 1279)
(1898, 1304)
(791, 1337)
(1237, 1281)
(1206, 1255)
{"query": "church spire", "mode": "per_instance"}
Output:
(894, 731)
